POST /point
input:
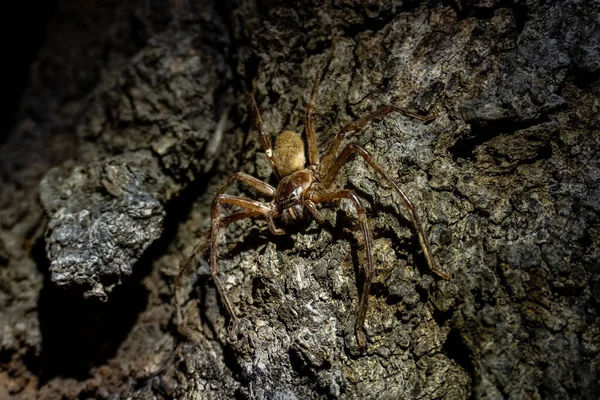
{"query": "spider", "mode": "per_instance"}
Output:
(302, 185)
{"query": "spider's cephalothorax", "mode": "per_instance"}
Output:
(290, 197)
(297, 194)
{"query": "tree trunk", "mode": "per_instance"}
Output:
(137, 111)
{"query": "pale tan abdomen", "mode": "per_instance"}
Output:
(289, 153)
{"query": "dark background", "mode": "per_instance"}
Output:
(24, 26)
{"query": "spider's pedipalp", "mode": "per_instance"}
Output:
(310, 206)
(273, 228)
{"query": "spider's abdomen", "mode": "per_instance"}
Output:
(289, 153)
(290, 195)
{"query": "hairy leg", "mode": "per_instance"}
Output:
(257, 184)
(190, 264)
(311, 137)
(344, 156)
(187, 268)
(264, 139)
(357, 125)
(250, 205)
(320, 197)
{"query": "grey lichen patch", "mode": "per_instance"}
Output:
(103, 217)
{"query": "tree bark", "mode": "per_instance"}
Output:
(137, 111)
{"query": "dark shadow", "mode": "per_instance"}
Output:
(582, 78)
(78, 334)
(483, 132)
(441, 317)
(456, 349)
(28, 21)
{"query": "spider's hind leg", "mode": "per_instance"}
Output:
(334, 145)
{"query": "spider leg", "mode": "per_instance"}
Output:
(249, 180)
(185, 270)
(228, 220)
(199, 248)
(264, 139)
(253, 208)
(357, 125)
(202, 243)
(319, 197)
(311, 137)
(310, 206)
(355, 148)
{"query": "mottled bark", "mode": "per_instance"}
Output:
(137, 112)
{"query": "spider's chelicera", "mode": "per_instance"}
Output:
(303, 185)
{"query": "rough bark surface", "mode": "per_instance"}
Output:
(137, 112)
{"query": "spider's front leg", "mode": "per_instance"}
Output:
(321, 197)
(252, 209)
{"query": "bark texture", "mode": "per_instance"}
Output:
(136, 113)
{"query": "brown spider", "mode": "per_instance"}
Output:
(301, 187)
